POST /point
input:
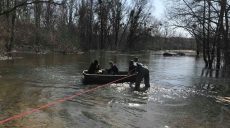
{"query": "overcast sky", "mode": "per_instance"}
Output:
(158, 10)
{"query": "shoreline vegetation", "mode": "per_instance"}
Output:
(73, 26)
(69, 26)
(155, 52)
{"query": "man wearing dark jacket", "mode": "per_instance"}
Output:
(142, 72)
(113, 70)
(94, 67)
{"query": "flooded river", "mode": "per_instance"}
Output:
(178, 97)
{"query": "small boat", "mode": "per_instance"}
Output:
(173, 54)
(169, 54)
(100, 78)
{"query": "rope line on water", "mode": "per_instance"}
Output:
(58, 101)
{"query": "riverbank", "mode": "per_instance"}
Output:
(43, 52)
(176, 52)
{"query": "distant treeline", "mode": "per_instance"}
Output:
(70, 25)
(168, 43)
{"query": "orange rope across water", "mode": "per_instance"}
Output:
(58, 101)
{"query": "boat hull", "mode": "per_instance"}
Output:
(106, 78)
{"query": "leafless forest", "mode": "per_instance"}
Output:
(81, 24)
(72, 25)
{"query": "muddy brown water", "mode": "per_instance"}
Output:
(178, 97)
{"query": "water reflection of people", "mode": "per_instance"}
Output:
(94, 67)
(113, 70)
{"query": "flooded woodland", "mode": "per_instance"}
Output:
(46, 46)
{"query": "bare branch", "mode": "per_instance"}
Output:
(27, 3)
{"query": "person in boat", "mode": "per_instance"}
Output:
(135, 61)
(142, 73)
(113, 70)
(94, 67)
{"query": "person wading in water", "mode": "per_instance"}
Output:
(142, 73)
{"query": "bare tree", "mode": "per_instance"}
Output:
(207, 21)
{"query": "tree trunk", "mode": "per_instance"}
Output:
(103, 24)
(209, 47)
(197, 47)
(1, 5)
(116, 21)
(9, 45)
(90, 25)
(37, 16)
(204, 37)
(48, 15)
(70, 20)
